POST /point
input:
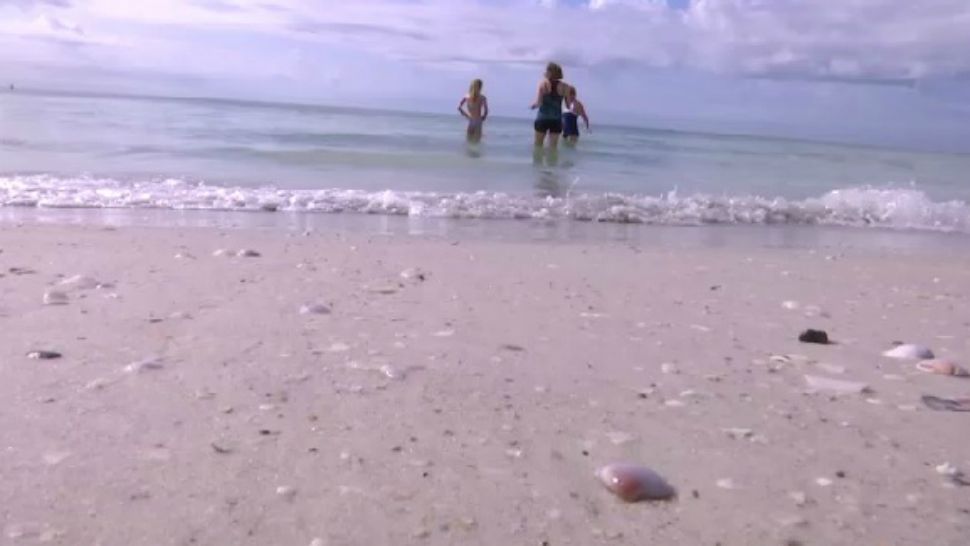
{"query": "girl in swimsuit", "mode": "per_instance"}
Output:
(474, 108)
(570, 119)
(549, 99)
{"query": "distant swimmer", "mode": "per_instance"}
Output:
(570, 118)
(474, 108)
(549, 99)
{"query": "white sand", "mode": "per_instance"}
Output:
(196, 404)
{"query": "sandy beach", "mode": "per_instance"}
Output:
(314, 395)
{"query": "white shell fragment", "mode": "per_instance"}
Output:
(414, 274)
(910, 352)
(314, 309)
(144, 365)
(81, 282)
(836, 386)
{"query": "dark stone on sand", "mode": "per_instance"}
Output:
(814, 336)
(44, 355)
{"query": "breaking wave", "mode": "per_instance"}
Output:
(859, 206)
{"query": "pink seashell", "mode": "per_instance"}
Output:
(942, 367)
(634, 483)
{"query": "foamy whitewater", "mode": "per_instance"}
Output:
(59, 151)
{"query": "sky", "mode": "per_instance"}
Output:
(874, 71)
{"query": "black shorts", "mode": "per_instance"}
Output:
(570, 124)
(553, 126)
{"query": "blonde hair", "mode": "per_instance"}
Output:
(553, 71)
(475, 89)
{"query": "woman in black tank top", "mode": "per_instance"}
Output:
(552, 91)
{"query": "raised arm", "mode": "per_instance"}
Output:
(461, 107)
(582, 114)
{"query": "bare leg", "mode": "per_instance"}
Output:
(553, 141)
(540, 137)
(473, 134)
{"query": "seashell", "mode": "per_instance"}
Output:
(80, 282)
(43, 355)
(144, 365)
(836, 386)
(286, 492)
(942, 367)
(314, 309)
(946, 404)
(909, 351)
(248, 253)
(634, 483)
(55, 297)
(414, 274)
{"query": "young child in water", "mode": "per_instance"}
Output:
(474, 108)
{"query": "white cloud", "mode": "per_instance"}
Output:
(863, 40)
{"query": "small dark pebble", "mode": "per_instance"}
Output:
(513, 348)
(155, 320)
(696, 494)
(397, 449)
(814, 336)
(642, 395)
(794, 543)
(44, 355)
(840, 474)
(715, 287)
(265, 432)
(585, 453)
(21, 271)
(425, 474)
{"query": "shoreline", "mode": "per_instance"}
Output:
(560, 231)
(314, 393)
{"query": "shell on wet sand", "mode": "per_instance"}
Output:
(43, 355)
(314, 309)
(634, 483)
(55, 297)
(909, 351)
(81, 282)
(942, 367)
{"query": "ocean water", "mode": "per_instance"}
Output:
(66, 151)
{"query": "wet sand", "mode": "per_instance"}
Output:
(472, 401)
